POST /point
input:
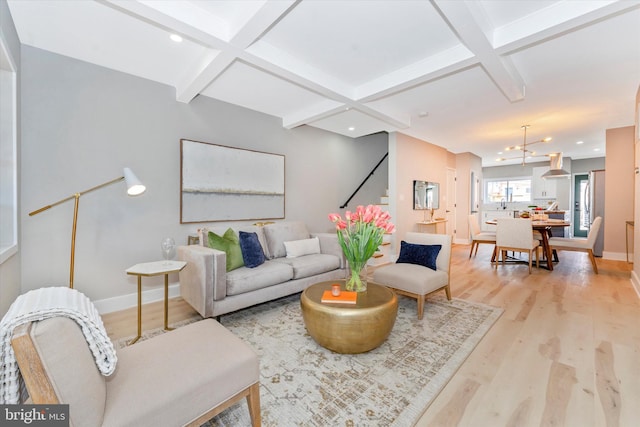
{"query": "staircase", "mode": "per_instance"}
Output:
(383, 255)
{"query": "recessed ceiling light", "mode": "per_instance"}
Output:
(596, 149)
(351, 128)
(176, 38)
(580, 142)
(499, 152)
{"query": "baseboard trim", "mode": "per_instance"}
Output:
(122, 302)
(462, 241)
(614, 256)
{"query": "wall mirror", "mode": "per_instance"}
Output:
(219, 183)
(426, 195)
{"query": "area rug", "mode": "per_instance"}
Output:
(303, 384)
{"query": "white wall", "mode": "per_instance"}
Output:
(635, 274)
(619, 191)
(83, 123)
(412, 159)
(10, 269)
(465, 164)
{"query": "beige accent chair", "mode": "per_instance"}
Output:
(416, 281)
(183, 377)
(478, 236)
(516, 234)
(577, 244)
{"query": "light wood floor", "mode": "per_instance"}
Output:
(566, 351)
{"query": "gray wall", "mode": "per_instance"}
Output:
(83, 123)
(586, 165)
(10, 269)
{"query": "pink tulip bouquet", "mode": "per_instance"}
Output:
(360, 234)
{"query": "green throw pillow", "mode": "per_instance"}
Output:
(229, 244)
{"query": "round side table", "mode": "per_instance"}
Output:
(349, 328)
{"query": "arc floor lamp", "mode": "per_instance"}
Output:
(134, 188)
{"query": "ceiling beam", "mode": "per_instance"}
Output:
(468, 21)
(190, 23)
(159, 16)
(320, 111)
(243, 46)
(553, 21)
(437, 66)
(260, 22)
(212, 66)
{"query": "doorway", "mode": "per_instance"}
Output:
(451, 203)
(580, 215)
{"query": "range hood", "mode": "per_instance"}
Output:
(555, 171)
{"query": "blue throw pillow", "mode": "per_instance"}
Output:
(252, 252)
(424, 255)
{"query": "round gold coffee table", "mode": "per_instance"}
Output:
(349, 328)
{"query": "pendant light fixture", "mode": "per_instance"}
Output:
(526, 152)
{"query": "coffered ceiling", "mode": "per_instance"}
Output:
(464, 75)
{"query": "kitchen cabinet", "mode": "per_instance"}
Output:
(542, 188)
(494, 214)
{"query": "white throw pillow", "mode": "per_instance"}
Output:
(296, 248)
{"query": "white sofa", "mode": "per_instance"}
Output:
(212, 291)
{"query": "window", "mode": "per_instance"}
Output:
(8, 158)
(507, 190)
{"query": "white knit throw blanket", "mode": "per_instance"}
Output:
(43, 303)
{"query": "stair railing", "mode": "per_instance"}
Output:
(365, 180)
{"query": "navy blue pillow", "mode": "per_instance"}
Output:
(424, 255)
(252, 252)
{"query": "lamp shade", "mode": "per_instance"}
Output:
(555, 171)
(134, 186)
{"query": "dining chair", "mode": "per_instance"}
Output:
(516, 234)
(478, 236)
(578, 244)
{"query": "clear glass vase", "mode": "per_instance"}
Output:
(357, 279)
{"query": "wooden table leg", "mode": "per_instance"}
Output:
(547, 249)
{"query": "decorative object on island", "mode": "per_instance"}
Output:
(360, 234)
(134, 188)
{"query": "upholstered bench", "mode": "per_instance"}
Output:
(183, 377)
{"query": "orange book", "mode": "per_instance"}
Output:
(345, 297)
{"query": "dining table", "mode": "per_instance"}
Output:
(544, 226)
